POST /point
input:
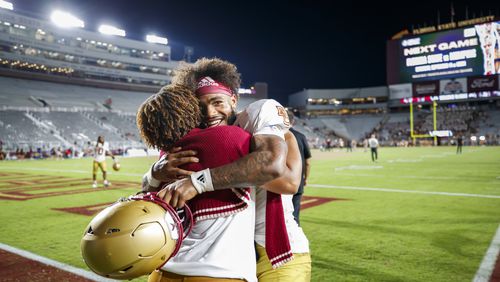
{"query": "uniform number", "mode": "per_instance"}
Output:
(282, 113)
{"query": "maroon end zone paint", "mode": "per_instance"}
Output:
(22, 187)
(17, 268)
(309, 201)
(495, 276)
(85, 210)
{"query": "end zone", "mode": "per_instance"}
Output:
(22, 265)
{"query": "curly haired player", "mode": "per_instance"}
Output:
(220, 245)
(166, 117)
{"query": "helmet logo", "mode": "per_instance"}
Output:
(112, 230)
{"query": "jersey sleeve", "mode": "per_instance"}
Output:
(265, 116)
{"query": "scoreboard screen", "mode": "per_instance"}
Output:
(468, 51)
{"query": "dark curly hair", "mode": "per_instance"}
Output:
(220, 70)
(166, 117)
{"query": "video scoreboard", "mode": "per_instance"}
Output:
(450, 62)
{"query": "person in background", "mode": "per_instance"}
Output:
(373, 143)
(460, 142)
(305, 155)
(353, 145)
(100, 152)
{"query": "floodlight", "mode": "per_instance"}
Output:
(156, 39)
(6, 5)
(66, 20)
(111, 30)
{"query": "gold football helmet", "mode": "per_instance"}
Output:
(134, 236)
(116, 166)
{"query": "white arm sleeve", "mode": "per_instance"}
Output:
(264, 116)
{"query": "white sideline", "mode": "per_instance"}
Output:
(56, 264)
(399, 176)
(487, 266)
(403, 191)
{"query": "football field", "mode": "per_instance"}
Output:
(418, 214)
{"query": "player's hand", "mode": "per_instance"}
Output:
(178, 193)
(167, 168)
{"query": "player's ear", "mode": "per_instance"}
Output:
(234, 101)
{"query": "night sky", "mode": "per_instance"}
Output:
(291, 45)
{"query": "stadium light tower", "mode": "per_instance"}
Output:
(111, 30)
(151, 38)
(6, 5)
(66, 20)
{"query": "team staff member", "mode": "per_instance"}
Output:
(373, 143)
(305, 155)
(101, 150)
(460, 142)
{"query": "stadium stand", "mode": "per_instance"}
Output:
(63, 114)
(489, 123)
(344, 127)
(17, 92)
(17, 129)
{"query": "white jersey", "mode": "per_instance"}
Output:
(269, 117)
(373, 142)
(222, 247)
(264, 116)
(100, 151)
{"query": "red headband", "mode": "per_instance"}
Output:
(207, 85)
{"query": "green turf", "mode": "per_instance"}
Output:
(368, 236)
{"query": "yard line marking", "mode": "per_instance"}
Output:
(359, 167)
(405, 161)
(403, 191)
(487, 266)
(66, 170)
(56, 264)
(400, 176)
(433, 156)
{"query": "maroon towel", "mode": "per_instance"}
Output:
(277, 243)
(216, 146)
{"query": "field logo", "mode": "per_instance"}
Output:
(21, 187)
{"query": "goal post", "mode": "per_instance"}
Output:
(434, 124)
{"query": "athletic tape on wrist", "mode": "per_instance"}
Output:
(153, 182)
(202, 181)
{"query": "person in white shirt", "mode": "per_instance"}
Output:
(373, 143)
(101, 150)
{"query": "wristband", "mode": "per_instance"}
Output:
(202, 181)
(153, 182)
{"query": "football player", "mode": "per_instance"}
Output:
(101, 150)
(274, 164)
